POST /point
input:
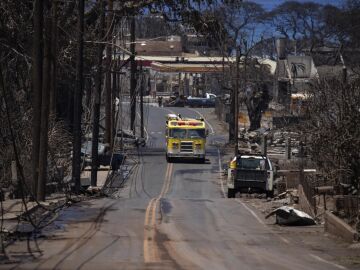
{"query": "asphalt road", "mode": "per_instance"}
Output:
(170, 216)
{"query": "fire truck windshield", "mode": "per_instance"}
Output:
(196, 133)
(186, 133)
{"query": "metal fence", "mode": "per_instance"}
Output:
(309, 183)
(348, 206)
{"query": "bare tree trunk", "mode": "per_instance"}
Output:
(37, 90)
(108, 92)
(78, 95)
(96, 110)
(44, 112)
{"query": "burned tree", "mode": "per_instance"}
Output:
(257, 100)
(333, 129)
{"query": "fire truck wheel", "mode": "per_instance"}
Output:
(231, 193)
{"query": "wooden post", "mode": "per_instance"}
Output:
(264, 145)
(288, 148)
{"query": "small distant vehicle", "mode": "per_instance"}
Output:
(250, 172)
(175, 101)
(185, 138)
(207, 101)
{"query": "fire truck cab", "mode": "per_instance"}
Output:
(185, 138)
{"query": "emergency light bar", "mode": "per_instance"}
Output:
(194, 124)
(184, 123)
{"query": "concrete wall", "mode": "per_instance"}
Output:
(338, 227)
(304, 204)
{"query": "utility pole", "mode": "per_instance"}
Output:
(37, 90)
(236, 103)
(43, 146)
(141, 101)
(53, 68)
(132, 76)
(108, 91)
(115, 94)
(78, 95)
(96, 109)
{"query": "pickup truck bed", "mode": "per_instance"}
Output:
(251, 179)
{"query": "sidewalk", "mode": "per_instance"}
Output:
(14, 212)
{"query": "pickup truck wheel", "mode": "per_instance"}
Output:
(231, 193)
(202, 160)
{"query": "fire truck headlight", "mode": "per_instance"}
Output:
(175, 145)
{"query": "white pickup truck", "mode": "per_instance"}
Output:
(207, 101)
(250, 172)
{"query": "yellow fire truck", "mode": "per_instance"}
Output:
(185, 138)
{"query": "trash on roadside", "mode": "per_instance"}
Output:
(290, 216)
(91, 190)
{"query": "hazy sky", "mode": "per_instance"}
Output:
(269, 4)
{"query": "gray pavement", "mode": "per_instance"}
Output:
(175, 216)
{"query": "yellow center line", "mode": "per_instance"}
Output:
(151, 253)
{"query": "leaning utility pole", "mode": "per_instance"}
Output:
(78, 95)
(132, 76)
(37, 89)
(236, 103)
(96, 109)
(141, 101)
